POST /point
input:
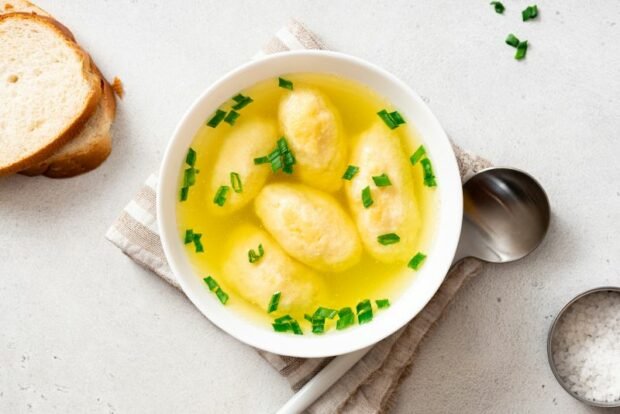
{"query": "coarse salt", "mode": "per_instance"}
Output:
(586, 347)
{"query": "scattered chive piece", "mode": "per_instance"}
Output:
(211, 283)
(184, 193)
(235, 182)
(389, 238)
(281, 327)
(285, 318)
(190, 158)
(307, 317)
(351, 171)
(318, 325)
(286, 84)
(296, 328)
(382, 180)
(273, 302)
(429, 177)
(391, 119)
(220, 195)
(261, 160)
(364, 312)
(215, 287)
(222, 296)
(253, 257)
(366, 197)
(417, 155)
(397, 117)
(521, 50)
(189, 236)
(529, 13)
(499, 7)
(286, 323)
(231, 118)
(417, 260)
(189, 177)
(216, 118)
(197, 243)
(346, 318)
(323, 313)
(512, 40)
(241, 101)
(382, 303)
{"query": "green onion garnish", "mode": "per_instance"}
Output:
(417, 155)
(346, 318)
(382, 180)
(190, 158)
(286, 84)
(323, 313)
(231, 118)
(351, 171)
(296, 328)
(529, 13)
(216, 118)
(280, 158)
(235, 182)
(307, 317)
(429, 177)
(189, 177)
(286, 323)
(215, 287)
(273, 302)
(241, 101)
(189, 236)
(253, 257)
(389, 238)
(220, 195)
(417, 260)
(366, 197)
(261, 160)
(281, 327)
(285, 318)
(184, 193)
(197, 243)
(512, 40)
(318, 325)
(499, 7)
(521, 50)
(364, 312)
(382, 303)
(391, 119)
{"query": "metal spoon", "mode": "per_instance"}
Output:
(506, 215)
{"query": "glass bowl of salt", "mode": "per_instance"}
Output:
(584, 347)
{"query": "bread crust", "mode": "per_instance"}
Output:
(78, 122)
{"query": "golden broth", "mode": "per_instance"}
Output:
(369, 279)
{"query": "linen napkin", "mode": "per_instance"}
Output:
(370, 385)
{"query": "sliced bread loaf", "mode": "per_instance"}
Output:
(48, 90)
(23, 6)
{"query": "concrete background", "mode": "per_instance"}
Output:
(84, 329)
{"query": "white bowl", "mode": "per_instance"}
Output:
(448, 227)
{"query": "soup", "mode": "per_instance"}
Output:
(307, 202)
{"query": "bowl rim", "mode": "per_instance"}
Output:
(449, 215)
(551, 335)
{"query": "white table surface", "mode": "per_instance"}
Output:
(84, 329)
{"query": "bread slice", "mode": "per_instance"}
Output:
(48, 90)
(21, 6)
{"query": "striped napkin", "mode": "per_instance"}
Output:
(370, 385)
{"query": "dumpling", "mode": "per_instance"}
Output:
(394, 210)
(310, 225)
(312, 126)
(252, 138)
(301, 289)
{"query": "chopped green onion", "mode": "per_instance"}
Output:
(521, 50)
(189, 236)
(241, 101)
(296, 328)
(351, 171)
(286, 84)
(346, 318)
(253, 257)
(184, 193)
(261, 160)
(429, 177)
(529, 13)
(281, 327)
(216, 118)
(285, 318)
(366, 197)
(189, 177)
(231, 118)
(391, 119)
(389, 238)
(211, 283)
(222, 296)
(512, 40)
(318, 325)
(274, 302)
(382, 303)
(382, 180)
(416, 261)
(197, 243)
(307, 317)
(220, 195)
(417, 155)
(286, 323)
(499, 7)
(323, 313)
(364, 312)
(190, 158)
(397, 117)
(235, 181)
